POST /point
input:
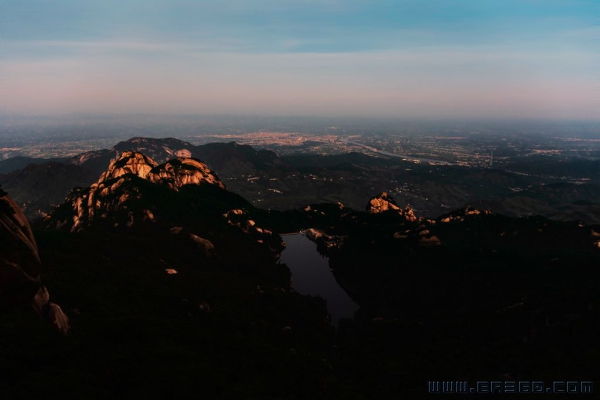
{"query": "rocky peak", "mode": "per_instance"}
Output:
(383, 202)
(183, 171)
(130, 162)
(116, 189)
(89, 157)
(174, 173)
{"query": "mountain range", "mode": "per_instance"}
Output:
(172, 286)
(282, 183)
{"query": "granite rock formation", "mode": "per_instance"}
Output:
(120, 185)
(382, 203)
(20, 266)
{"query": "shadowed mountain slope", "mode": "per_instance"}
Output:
(38, 188)
(14, 163)
(20, 267)
(173, 289)
(290, 182)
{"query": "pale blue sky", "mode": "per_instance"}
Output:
(453, 58)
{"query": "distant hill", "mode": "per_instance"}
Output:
(19, 162)
(327, 161)
(37, 188)
(158, 149)
(232, 159)
(589, 169)
(227, 158)
(560, 201)
(564, 192)
(293, 181)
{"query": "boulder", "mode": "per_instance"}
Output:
(429, 241)
(205, 245)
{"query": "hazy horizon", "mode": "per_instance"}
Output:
(523, 60)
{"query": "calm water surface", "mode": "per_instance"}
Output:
(312, 276)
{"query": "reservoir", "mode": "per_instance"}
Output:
(311, 275)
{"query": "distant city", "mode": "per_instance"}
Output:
(467, 143)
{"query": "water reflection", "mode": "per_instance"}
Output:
(312, 276)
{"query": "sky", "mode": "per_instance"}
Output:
(532, 59)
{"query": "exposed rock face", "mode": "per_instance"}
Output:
(324, 241)
(400, 235)
(129, 163)
(183, 171)
(240, 219)
(313, 234)
(181, 200)
(204, 245)
(20, 266)
(19, 259)
(383, 202)
(409, 214)
(174, 173)
(113, 191)
(429, 241)
(49, 311)
(460, 215)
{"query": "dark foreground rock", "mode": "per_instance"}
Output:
(20, 267)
